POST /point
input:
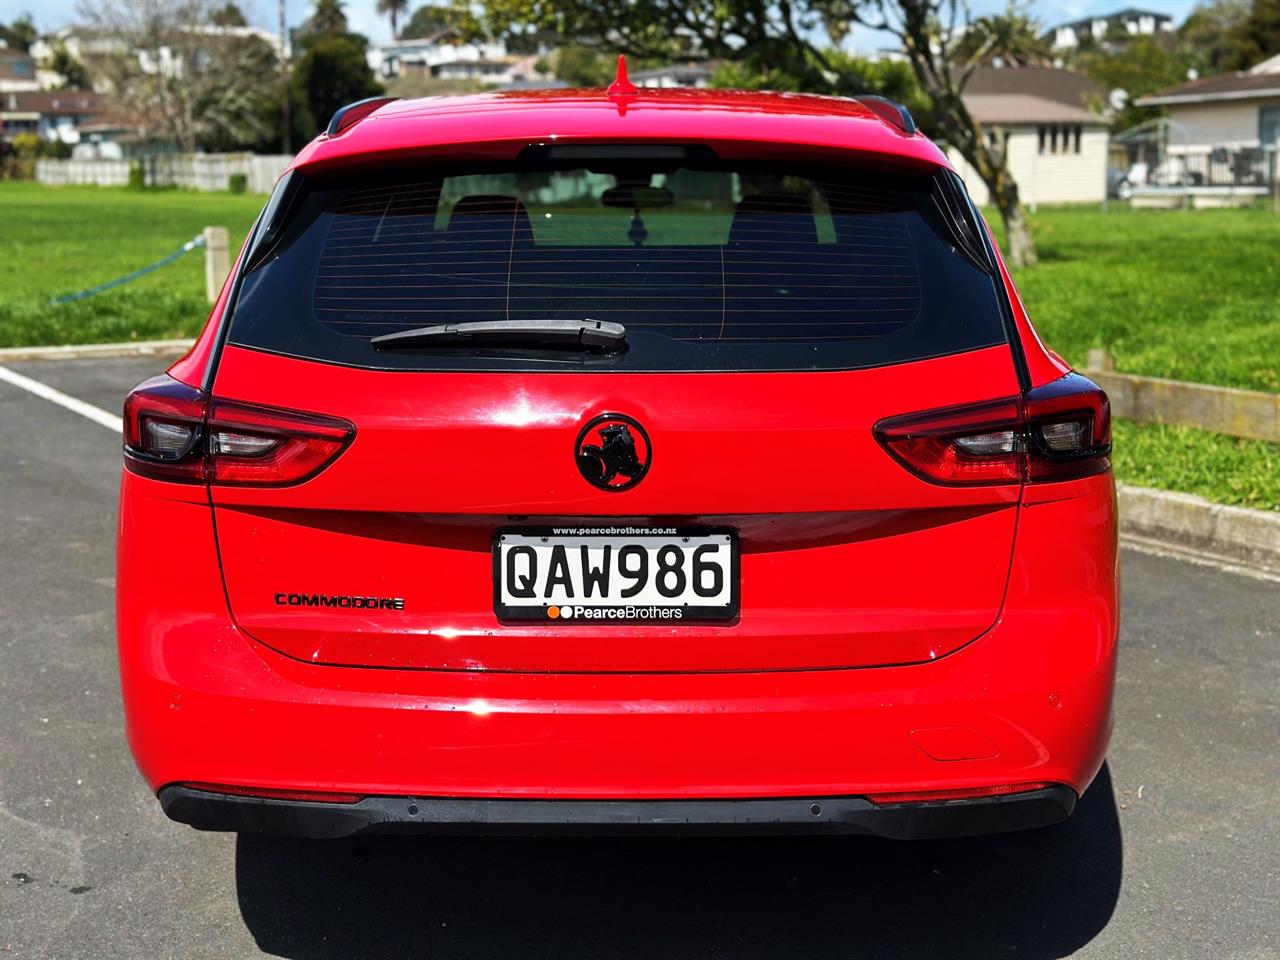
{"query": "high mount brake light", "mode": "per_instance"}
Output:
(1060, 431)
(175, 432)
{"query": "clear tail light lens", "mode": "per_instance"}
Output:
(174, 432)
(1059, 431)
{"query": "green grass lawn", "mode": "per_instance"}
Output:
(1190, 295)
(58, 240)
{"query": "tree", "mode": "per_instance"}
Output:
(20, 34)
(430, 20)
(327, 17)
(332, 73)
(944, 53)
(197, 86)
(74, 74)
(778, 36)
(583, 67)
(394, 9)
(244, 113)
(1213, 30)
(852, 76)
(228, 15)
(1259, 36)
(1144, 65)
(1019, 39)
(781, 39)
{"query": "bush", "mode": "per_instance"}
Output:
(238, 183)
(137, 179)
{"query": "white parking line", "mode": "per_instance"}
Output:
(96, 414)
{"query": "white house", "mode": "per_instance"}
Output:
(1057, 147)
(83, 43)
(1229, 111)
(696, 75)
(1130, 22)
(442, 55)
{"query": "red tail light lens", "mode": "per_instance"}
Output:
(1069, 429)
(174, 432)
(1059, 431)
(157, 414)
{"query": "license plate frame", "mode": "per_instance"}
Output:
(666, 613)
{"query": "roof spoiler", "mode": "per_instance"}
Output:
(890, 111)
(347, 117)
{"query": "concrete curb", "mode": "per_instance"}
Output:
(86, 351)
(1233, 535)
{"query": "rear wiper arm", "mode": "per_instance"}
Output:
(558, 334)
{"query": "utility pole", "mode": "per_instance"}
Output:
(284, 82)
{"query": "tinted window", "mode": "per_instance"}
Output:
(710, 267)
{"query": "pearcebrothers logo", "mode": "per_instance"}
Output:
(615, 612)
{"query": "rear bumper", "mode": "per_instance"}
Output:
(1029, 702)
(835, 815)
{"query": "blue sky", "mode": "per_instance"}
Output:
(363, 17)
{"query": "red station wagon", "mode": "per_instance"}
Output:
(627, 459)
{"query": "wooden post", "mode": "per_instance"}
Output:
(1100, 360)
(217, 261)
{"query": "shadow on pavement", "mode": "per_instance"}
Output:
(1039, 894)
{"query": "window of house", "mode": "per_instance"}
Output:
(1269, 125)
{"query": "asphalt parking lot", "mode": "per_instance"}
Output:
(1174, 852)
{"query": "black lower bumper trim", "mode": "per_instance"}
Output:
(841, 815)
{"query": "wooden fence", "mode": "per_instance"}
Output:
(1252, 414)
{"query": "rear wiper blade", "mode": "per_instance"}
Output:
(558, 334)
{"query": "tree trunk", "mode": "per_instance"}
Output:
(1017, 230)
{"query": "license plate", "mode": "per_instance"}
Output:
(618, 574)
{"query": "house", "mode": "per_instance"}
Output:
(17, 70)
(1105, 29)
(445, 56)
(50, 114)
(1056, 146)
(1229, 111)
(86, 43)
(697, 75)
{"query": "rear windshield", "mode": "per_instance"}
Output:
(709, 265)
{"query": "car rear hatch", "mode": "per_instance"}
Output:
(773, 318)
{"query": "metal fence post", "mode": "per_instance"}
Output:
(217, 262)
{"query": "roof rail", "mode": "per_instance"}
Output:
(890, 111)
(346, 117)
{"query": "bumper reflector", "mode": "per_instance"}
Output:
(268, 793)
(961, 793)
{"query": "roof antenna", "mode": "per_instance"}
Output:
(622, 86)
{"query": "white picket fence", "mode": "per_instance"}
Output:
(194, 171)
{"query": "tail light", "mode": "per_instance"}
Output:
(1060, 431)
(175, 432)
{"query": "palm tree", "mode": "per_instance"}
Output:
(393, 9)
(327, 17)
